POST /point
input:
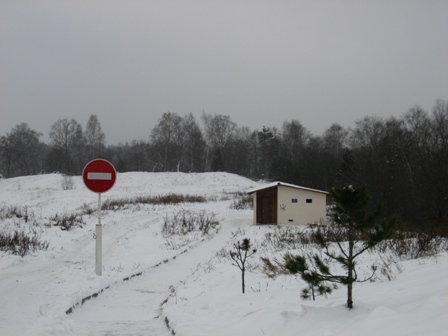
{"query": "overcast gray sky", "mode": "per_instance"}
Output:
(261, 62)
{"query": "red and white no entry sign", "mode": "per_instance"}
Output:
(99, 175)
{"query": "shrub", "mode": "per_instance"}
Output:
(14, 211)
(21, 243)
(287, 237)
(87, 209)
(114, 204)
(415, 244)
(67, 182)
(67, 221)
(185, 221)
(242, 201)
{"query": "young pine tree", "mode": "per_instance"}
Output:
(317, 285)
(354, 231)
(240, 255)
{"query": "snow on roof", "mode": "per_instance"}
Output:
(274, 184)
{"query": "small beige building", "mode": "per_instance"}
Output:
(283, 203)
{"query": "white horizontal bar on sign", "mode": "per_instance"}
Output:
(99, 176)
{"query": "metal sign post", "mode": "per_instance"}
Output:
(99, 176)
(99, 241)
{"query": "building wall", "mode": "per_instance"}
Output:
(254, 204)
(300, 212)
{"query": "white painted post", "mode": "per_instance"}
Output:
(99, 239)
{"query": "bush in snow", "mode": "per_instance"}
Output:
(115, 204)
(21, 243)
(241, 201)
(67, 182)
(15, 211)
(287, 237)
(414, 244)
(67, 221)
(87, 209)
(185, 221)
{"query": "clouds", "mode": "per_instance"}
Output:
(260, 62)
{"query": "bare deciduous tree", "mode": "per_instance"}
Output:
(67, 138)
(21, 151)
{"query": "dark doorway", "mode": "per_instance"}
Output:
(267, 206)
(266, 210)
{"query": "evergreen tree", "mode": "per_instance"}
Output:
(240, 255)
(354, 231)
(94, 137)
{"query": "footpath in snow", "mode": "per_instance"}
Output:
(134, 307)
(38, 289)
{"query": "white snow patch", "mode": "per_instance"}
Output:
(201, 288)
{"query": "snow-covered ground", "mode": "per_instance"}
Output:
(187, 282)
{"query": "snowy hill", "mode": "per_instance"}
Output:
(43, 190)
(186, 281)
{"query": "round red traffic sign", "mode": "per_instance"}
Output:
(99, 175)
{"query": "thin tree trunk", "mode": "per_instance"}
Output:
(350, 295)
(242, 280)
(350, 267)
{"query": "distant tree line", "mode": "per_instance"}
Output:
(402, 161)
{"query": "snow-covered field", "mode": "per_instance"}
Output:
(187, 282)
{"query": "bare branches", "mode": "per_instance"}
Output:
(239, 256)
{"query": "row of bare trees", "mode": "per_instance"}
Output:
(23, 153)
(402, 160)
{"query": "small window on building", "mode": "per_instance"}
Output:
(309, 200)
(294, 200)
(291, 220)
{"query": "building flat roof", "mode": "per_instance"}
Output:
(275, 184)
